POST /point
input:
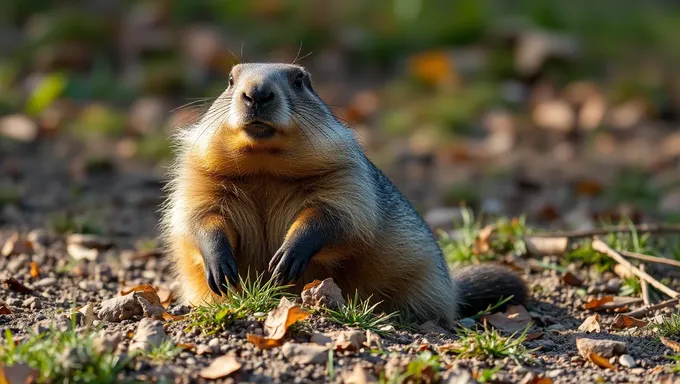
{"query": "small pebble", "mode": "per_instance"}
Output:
(259, 314)
(45, 282)
(555, 373)
(33, 303)
(627, 361)
(14, 302)
(191, 361)
(214, 343)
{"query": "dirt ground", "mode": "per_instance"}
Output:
(122, 203)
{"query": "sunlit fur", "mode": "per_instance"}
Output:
(254, 190)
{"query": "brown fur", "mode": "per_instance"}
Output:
(261, 192)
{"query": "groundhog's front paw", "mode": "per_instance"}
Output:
(218, 268)
(290, 263)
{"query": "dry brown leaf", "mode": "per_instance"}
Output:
(222, 366)
(13, 285)
(481, 244)
(546, 246)
(588, 188)
(534, 336)
(571, 279)
(263, 342)
(35, 271)
(186, 346)
(434, 68)
(590, 324)
(672, 344)
(165, 294)
(17, 373)
(597, 303)
(138, 288)
(623, 321)
(311, 285)
(15, 245)
(515, 318)
(130, 334)
(170, 317)
(4, 310)
(600, 361)
(282, 317)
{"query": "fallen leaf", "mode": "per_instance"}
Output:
(546, 246)
(13, 285)
(282, 317)
(4, 310)
(434, 68)
(15, 245)
(263, 342)
(515, 318)
(326, 293)
(620, 303)
(481, 244)
(35, 272)
(138, 288)
(600, 361)
(588, 188)
(674, 345)
(591, 324)
(186, 346)
(597, 303)
(533, 336)
(139, 303)
(623, 321)
(222, 366)
(571, 279)
(170, 317)
(80, 252)
(17, 373)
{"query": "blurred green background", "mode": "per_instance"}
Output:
(563, 111)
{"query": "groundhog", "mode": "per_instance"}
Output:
(270, 182)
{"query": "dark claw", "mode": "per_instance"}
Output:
(219, 263)
(290, 265)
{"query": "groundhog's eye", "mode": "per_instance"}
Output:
(231, 80)
(297, 83)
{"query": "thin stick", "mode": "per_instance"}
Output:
(645, 288)
(645, 228)
(601, 247)
(646, 310)
(651, 259)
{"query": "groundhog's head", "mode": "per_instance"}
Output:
(270, 119)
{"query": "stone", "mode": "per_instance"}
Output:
(603, 347)
(627, 361)
(149, 334)
(305, 353)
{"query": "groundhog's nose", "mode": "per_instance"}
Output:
(258, 96)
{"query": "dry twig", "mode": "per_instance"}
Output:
(602, 247)
(651, 259)
(641, 228)
(645, 288)
(646, 310)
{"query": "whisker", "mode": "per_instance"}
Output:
(298, 53)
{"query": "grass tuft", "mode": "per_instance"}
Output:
(424, 368)
(254, 295)
(491, 344)
(670, 326)
(360, 314)
(63, 356)
(166, 351)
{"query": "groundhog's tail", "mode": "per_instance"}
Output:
(480, 286)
